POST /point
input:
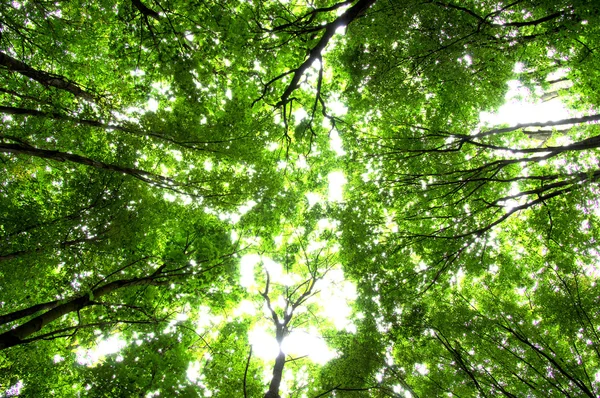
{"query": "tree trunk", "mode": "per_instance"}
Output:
(273, 391)
(19, 334)
(13, 316)
(44, 78)
(25, 149)
(315, 53)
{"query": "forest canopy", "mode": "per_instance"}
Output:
(281, 198)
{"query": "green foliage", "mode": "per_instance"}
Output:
(149, 148)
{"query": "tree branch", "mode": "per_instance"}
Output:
(148, 12)
(246, 372)
(315, 53)
(44, 78)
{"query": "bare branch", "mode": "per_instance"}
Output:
(315, 53)
(575, 120)
(246, 372)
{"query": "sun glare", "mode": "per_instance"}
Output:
(299, 343)
(523, 106)
(337, 180)
(332, 293)
(336, 144)
(104, 347)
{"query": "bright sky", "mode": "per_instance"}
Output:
(521, 106)
(333, 290)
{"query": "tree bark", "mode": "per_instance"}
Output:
(197, 145)
(20, 334)
(45, 78)
(13, 316)
(273, 391)
(315, 53)
(10, 110)
(25, 149)
(145, 10)
(280, 333)
(575, 120)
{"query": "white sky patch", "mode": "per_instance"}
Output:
(309, 343)
(299, 114)
(326, 223)
(258, 67)
(315, 66)
(274, 269)
(177, 155)
(278, 240)
(129, 115)
(297, 344)
(337, 108)
(336, 144)
(236, 217)
(14, 390)
(246, 207)
(161, 87)
(193, 371)
(336, 179)
(111, 345)
(206, 320)
(263, 342)
(247, 264)
(182, 316)
(152, 105)
(137, 72)
(185, 199)
(313, 198)
(335, 294)
(522, 107)
(246, 307)
(421, 368)
(314, 246)
(467, 60)
(457, 279)
(510, 204)
(301, 162)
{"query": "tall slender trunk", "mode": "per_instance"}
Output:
(273, 391)
(280, 333)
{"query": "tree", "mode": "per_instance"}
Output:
(151, 150)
